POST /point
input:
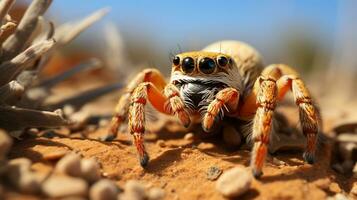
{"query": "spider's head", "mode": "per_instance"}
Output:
(200, 75)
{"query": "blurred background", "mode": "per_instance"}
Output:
(318, 38)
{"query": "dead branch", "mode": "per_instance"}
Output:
(15, 43)
(5, 6)
(13, 118)
(10, 69)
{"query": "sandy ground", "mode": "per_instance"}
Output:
(180, 165)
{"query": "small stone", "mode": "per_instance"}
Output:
(213, 173)
(189, 136)
(334, 188)
(55, 155)
(161, 143)
(90, 169)
(68, 110)
(156, 194)
(133, 190)
(64, 186)
(70, 164)
(103, 190)
(234, 182)
(324, 183)
(278, 162)
(103, 122)
(30, 182)
(205, 146)
(23, 162)
(5, 144)
(20, 176)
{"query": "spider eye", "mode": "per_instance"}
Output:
(222, 61)
(188, 65)
(176, 60)
(207, 65)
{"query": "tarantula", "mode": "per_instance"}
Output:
(226, 78)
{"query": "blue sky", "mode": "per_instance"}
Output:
(177, 19)
(193, 24)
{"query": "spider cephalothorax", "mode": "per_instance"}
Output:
(224, 79)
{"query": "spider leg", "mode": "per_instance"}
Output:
(228, 97)
(308, 113)
(287, 79)
(266, 100)
(122, 107)
(169, 103)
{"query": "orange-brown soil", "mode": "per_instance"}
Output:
(179, 165)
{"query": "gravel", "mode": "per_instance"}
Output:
(90, 170)
(156, 194)
(103, 190)
(189, 136)
(213, 173)
(133, 190)
(234, 182)
(64, 186)
(22, 178)
(70, 165)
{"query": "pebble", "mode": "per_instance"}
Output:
(205, 146)
(20, 175)
(161, 143)
(90, 170)
(213, 173)
(70, 164)
(55, 155)
(103, 190)
(103, 122)
(5, 144)
(156, 194)
(189, 136)
(64, 186)
(334, 188)
(133, 190)
(234, 182)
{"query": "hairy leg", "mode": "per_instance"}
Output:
(122, 107)
(308, 112)
(228, 97)
(169, 103)
(266, 100)
(287, 79)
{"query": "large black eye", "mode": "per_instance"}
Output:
(222, 61)
(188, 65)
(176, 60)
(207, 65)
